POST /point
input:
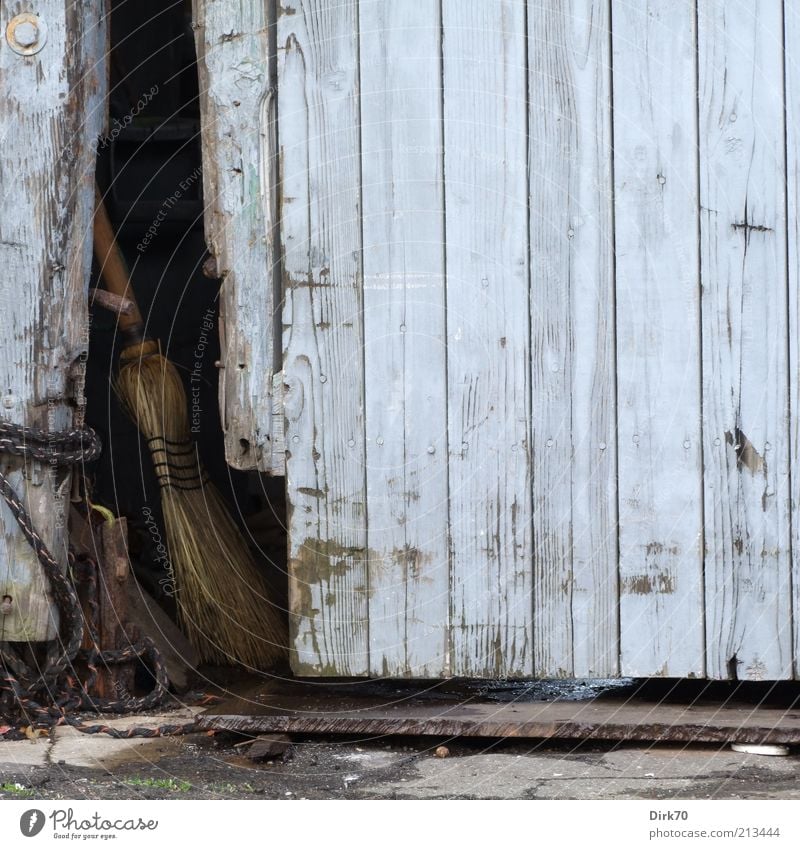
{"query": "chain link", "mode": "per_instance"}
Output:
(46, 696)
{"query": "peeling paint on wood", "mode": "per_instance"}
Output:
(649, 584)
(236, 63)
(486, 244)
(572, 346)
(404, 331)
(658, 333)
(323, 367)
(51, 114)
(539, 387)
(792, 98)
(745, 355)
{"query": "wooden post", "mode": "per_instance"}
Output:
(237, 103)
(108, 545)
(53, 80)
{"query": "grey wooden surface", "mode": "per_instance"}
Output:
(656, 205)
(404, 332)
(745, 330)
(236, 59)
(51, 115)
(792, 99)
(323, 338)
(540, 356)
(576, 627)
(488, 344)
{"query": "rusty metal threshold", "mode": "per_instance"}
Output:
(662, 711)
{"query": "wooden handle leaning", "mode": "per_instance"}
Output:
(113, 269)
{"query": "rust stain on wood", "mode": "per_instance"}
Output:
(654, 548)
(661, 583)
(319, 562)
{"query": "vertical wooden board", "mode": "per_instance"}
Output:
(791, 38)
(745, 357)
(658, 338)
(404, 329)
(51, 115)
(488, 338)
(235, 66)
(323, 351)
(572, 341)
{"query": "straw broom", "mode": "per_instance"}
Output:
(220, 593)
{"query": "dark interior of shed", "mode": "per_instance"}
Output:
(149, 171)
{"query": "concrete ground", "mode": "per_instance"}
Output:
(72, 765)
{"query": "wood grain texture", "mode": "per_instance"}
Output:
(658, 338)
(572, 341)
(539, 721)
(236, 59)
(791, 38)
(404, 329)
(488, 339)
(745, 357)
(529, 278)
(323, 336)
(51, 114)
(339, 708)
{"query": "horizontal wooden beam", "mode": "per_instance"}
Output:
(313, 709)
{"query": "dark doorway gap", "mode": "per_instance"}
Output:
(150, 171)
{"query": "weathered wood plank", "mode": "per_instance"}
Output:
(658, 338)
(236, 65)
(404, 329)
(340, 710)
(488, 339)
(572, 341)
(571, 721)
(51, 114)
(745, 357)
(791, 39)
(323, 336)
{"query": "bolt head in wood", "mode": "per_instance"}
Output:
(26, 34)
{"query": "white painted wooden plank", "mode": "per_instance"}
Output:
(488, 338)
(745, 357)
(792, 101)
(404, 328)
(239, 184)
(658, 338)
(572, 341)
(51, 114)
(323, 349)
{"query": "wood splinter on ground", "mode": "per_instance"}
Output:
(266, 747)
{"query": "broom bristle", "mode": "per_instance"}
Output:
(221, 595)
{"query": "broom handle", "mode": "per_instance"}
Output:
(115, 273)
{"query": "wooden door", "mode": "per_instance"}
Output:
(536, 287)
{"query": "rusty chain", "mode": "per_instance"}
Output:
(43, 696)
